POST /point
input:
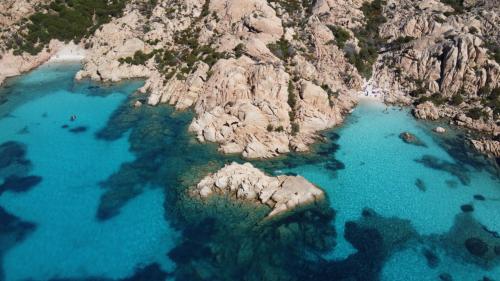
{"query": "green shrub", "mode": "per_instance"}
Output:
(205, 9)
(295, 128)
(139, 58)
(341, 35)
(456, 99)
(476, 113)
(494, 50)
(282, 49)
(239, 50)
(67, 20)
(435, 98)
(270, 128)
(279, 129)
(492, 100)
(457, 5)
(398, 42)
(369, 40)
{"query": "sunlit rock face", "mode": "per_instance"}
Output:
(281, 194)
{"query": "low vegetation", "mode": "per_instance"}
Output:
(476, 113)
(282, 49)
(491, 98)
(493, 50)
(457, 5)
(65, 20)
(292, 102)
(341, 35)
(368, 37)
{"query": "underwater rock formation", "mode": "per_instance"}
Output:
(281, 193)
(411, 139)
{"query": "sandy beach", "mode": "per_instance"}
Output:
(69, 52)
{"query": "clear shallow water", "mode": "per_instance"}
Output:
(381, 173)
(100, 198)
(68, 240)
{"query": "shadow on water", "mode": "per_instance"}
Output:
(12, 231)
(14, 169)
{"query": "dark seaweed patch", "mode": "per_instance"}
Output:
(420, 185)
(375, 238)
(152, 272)
(13, 159)
(467, 208)
(479, 197)
(19, 184)
(12, 231)
(79, 129)
(12, 153)
(459, 171)
(470, 240)
(431, 258)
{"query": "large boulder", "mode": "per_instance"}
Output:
(247, 183)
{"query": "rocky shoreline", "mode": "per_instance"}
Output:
(264, 78)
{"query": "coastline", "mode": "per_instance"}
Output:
(57, 52)
(68, 53)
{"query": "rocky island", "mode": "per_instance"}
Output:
(243, 181)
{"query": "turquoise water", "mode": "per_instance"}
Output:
(103, 197)
(68, 240)
(381, 173)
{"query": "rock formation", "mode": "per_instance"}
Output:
(491, 147)
(265, 76)
(255, 87)
(244, 182)
(445, 58)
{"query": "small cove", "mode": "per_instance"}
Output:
(110, 203)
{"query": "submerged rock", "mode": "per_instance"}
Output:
(431, 257)
(479, 197)
(281, 193)
(476, 246)
(467, 208)
(79, 129)
(19, 184)
(411, 139)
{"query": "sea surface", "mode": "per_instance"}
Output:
(92, 188)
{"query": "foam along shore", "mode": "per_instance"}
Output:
(68, 53)
(13, 65)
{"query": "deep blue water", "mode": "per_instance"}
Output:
(103, 197)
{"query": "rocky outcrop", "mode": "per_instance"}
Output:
(489, 147)
(436, 54)
(410, 138)
(265, 76)
(426, 110)
(242, 99)
(244, 182)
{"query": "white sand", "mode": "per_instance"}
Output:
(371, 92)
(68, 53)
